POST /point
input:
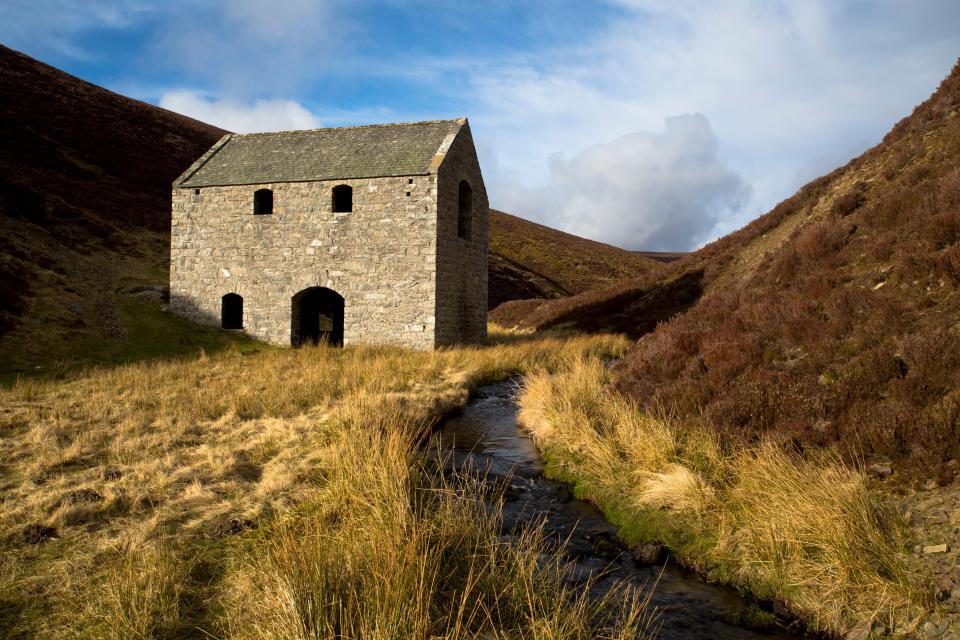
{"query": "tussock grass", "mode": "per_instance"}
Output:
(270, 495)
(394, 550)
(139, 596)
(804, 531)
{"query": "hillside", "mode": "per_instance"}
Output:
(84, 192)
(85, 179)
(529, 260)
(833, 318)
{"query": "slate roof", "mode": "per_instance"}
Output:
(373, 151)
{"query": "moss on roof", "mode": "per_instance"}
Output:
(321, 154)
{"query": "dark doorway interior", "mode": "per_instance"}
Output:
(231, 311)
(317, 315)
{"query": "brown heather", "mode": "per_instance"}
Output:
(272, 495)
(529, 260)
(835, 318)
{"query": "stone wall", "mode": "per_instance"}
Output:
(380, 257)
(461, 315)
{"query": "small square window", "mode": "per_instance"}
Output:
(410, 181)
(408, 194)
(196, 192)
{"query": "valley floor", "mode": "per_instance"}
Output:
(281, 494)
(277, 494)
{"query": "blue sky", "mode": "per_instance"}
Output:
(655, 124)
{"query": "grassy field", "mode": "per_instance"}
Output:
(277, 494)
(121, 320)
(802, 530)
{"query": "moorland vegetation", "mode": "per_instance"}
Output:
(278, 494)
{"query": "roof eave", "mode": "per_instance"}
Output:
(197, 185)
(196, 166)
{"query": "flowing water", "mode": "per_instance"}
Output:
(486, 437)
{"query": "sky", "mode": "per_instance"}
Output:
(648, 124)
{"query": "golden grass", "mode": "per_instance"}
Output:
(365, 564)
(805, 531)
(145, 470)
(139, 595)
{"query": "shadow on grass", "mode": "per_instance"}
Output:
(149, 333)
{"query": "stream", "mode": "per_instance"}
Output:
(485, 436)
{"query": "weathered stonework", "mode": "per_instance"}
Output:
(461, 300)
(405, 276)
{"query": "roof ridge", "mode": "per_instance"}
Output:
(461, 120)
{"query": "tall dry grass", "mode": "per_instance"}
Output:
(138, 595)
(147, 473)
(804, 531)
(394, 550)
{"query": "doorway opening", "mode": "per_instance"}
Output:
(231, 311)
(317, 315)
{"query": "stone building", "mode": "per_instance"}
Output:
(374, 234)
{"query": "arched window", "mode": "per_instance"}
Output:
(342, 198)
(262, 202)
(464, 210)
(231, 311)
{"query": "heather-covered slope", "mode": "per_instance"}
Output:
(833, 318)
(85, 180)
(529, 260)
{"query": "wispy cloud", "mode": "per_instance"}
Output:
(53, 25)
(251, 48)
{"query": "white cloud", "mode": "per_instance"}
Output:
(617, 192)
(789, 87)
(240, 117)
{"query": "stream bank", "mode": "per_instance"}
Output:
(485, 438)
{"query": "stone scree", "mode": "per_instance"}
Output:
(406, 277)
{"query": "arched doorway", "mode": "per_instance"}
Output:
(231, 311)
(316, 314)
